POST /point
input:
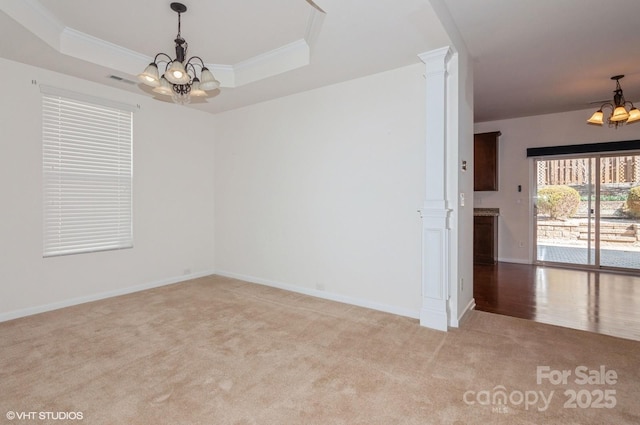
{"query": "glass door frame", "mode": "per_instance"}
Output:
(593, 258)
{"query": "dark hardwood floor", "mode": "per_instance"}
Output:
(596, 301)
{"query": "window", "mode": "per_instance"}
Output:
(87, 173)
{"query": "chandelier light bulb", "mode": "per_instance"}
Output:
(597, 118)
(164, 87)
(177, 74)
(150, 75)
(208, 81)
(619, 114)
(196, 90)
(634, 115)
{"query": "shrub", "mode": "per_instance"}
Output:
(632, 206)
(558, 201)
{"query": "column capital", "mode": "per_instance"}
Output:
(436, 60)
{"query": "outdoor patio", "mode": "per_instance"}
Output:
(566, 241)
(617, 258)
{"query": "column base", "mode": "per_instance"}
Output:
(434, 315)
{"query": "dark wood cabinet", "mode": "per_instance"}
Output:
(485, 239)
(485, 160)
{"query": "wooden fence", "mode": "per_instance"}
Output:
(618, 169)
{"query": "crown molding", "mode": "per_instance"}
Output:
(226, 74)
(314, 25)
(277, 61)
(92, 49)
(282, 59)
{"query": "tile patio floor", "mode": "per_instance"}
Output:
(618, 258)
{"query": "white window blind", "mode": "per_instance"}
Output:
(87, 174)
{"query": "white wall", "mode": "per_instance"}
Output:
(173, 200)
(516, 210)
(318, 192)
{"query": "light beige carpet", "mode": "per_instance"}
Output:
(221, 351)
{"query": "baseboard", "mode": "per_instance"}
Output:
(514, 260)
(466, 313)
(99, 296)
(331, 296)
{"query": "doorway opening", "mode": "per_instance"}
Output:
(586, 213)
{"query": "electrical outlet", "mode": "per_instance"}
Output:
(186, 271)
(462, 284)
(521, 244)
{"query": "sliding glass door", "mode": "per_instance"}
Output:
(565, 211)
(586, 214)
(618, 233)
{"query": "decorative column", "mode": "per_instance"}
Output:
(435, 211)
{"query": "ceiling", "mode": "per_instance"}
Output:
(529, 57)
(534, 57)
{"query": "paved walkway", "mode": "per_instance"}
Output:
(578, 255)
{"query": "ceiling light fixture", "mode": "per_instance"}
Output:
(180, 78)
(619, 114)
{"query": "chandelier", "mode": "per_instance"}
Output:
(619, 114)
(180, 78)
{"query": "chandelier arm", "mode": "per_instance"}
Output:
(608, 104)
(201, 64)
(190, 67)
(155, 60)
